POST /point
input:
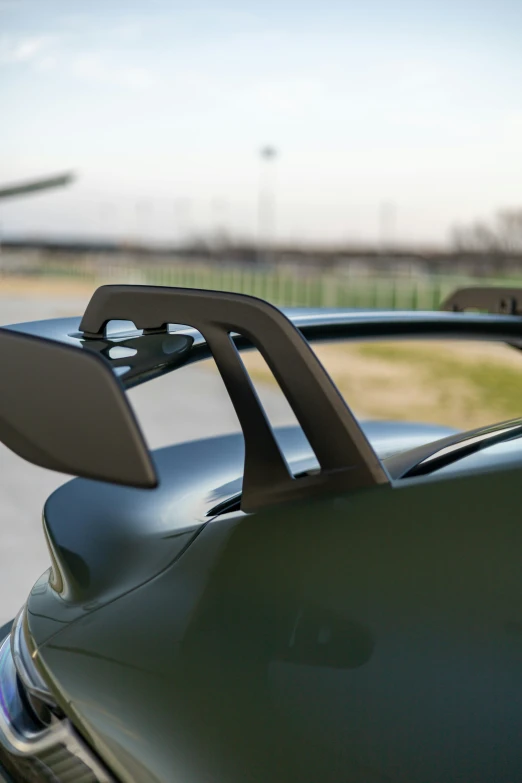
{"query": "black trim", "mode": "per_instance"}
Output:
(433, 456)
(5, 777)
(347, 460)
(6, 629)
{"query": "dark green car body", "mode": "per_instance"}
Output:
(370, 635)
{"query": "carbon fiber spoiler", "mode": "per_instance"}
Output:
(64, 409)
(47, 380)
(46, 384)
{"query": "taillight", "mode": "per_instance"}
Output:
(38, 744)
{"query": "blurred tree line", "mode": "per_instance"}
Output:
(502, 235)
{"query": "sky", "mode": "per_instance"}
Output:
(392, 120)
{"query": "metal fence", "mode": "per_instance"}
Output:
(283, 286)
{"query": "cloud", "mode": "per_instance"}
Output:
(47, 63)
(286, 96)
(95, 69)
(129, 31)
(23, 50)
(510, 128)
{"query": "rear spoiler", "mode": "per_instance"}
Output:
(502, 301)
(65, 409)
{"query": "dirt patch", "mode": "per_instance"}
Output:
(46, 287)
(459, 384)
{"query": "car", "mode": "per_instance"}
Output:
(333, 601)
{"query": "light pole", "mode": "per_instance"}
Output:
(266, 206)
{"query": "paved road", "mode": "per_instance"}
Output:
(186, 405)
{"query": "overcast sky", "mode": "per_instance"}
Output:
(161, 108)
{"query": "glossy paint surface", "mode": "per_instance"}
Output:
(106, 540)
(371, 637)
(368, 637)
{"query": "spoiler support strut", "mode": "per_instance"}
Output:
(346, 458)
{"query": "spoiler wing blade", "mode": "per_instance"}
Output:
(64, 409)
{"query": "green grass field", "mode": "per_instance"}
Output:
(457, 384)
(285, 287)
